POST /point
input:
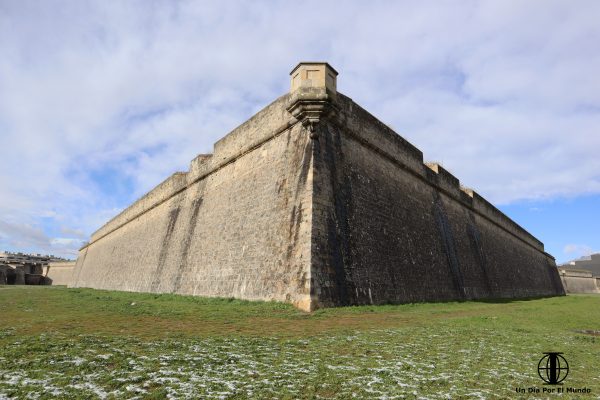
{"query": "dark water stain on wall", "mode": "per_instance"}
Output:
(447, 237)
(187, 240)
(304, 167)
(338, 230)
(477, 248)
(294, 229)
(164, 249)
(297, 210)
(82, 265)
(299, 153)
(555, 278)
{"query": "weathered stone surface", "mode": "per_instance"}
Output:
(60, 273)
(46, 281)
(35, 269)
(34, 279)
(315, 202)
(389, 231)
(9, 273)
(579, 281)
(241, 228)
(19, 276)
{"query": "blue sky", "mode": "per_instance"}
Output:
(100, 101)
(568, 227)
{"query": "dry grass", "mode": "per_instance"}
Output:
(83, 343)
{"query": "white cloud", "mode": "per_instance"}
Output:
(578, 250)
(78, 233)
(100, 101)
(33, 239)
(23, 235)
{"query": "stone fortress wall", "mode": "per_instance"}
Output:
(314, 201)
(60, 272)
(236, 225)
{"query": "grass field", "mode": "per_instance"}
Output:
(82, 344)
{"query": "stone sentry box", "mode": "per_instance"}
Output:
(314, 74)
(315, 202)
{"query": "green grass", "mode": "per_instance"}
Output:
(83, 343)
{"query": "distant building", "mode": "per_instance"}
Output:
(590, 263)
(581, 275)
(25, 269)
(6, 257)
(579, 281)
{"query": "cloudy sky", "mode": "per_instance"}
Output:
(100, 101)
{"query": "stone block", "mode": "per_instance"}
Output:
(19, 276)
(33, 279)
